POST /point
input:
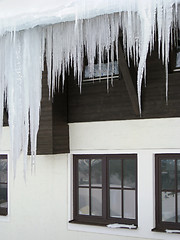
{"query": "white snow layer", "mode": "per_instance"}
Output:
(78, 24)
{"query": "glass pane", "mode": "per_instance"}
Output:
(168, 174)
(115, 173)
(3, 170)
(115, 203)
(178, 173)
(3, 196)
(96, 202)
(178, 60)
(83, 171)
(129, 173)
(168, 207)
(96, 172)
(84, 201)
(129, 204)
(113, 70)
(178, 200)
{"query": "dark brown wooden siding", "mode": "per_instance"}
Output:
(60, 125)
(53, 135)
(45, 134)
(94, 103)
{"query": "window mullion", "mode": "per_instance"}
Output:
(160, 191)
(176, 184)
(122, 190)
(136, 190)
(105, 188)
(90, 187)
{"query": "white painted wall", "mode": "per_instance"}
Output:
(131, 134)
(41, 207)
(143, 137)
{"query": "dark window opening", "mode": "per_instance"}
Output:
(105, 189)
(167, 191)
(3, 185)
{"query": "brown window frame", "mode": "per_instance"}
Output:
(177, 52)
(4, 210)
(173, 54)
(165, 225)
(105, 218)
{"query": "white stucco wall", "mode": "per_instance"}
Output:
(132, 134)
(41, 207)
(143, 137)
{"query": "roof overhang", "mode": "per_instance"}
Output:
(20, 14)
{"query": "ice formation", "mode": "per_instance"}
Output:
(60, 36)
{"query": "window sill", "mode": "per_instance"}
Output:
(172, 231)
(113, 226)
(87, 223)
(176, 70)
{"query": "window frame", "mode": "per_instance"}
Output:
(111, 77)
(173, 54)
(4, 210)
(177, 69)
(105, 218)
(164, 225)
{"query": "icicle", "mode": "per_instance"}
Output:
(49, 55)
(64, 46)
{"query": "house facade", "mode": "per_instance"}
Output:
(99, 162)
(108, 148)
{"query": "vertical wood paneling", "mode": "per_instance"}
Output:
(94, 103)
(45, 134)
(60, 125)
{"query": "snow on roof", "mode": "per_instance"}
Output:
(20, 14)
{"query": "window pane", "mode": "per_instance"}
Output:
(115, 203)
(96, 172)
(84, 201)
(129, 173)
(3, 196)
(115, 173)
(168, 207)
(83, 166)
(3, 170)
(129, 204)
(96, 202)
(178, 173)
(168, 174)
(178, 60)
(178, 200)
(113, 70)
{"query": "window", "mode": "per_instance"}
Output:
(167, 191)
(105, 189)
(178, 54)
(174, 63)
(101, 73)
(175, 56)
(3, 185)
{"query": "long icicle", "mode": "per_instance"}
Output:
(22, 57)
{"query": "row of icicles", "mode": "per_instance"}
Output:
(22, 60)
